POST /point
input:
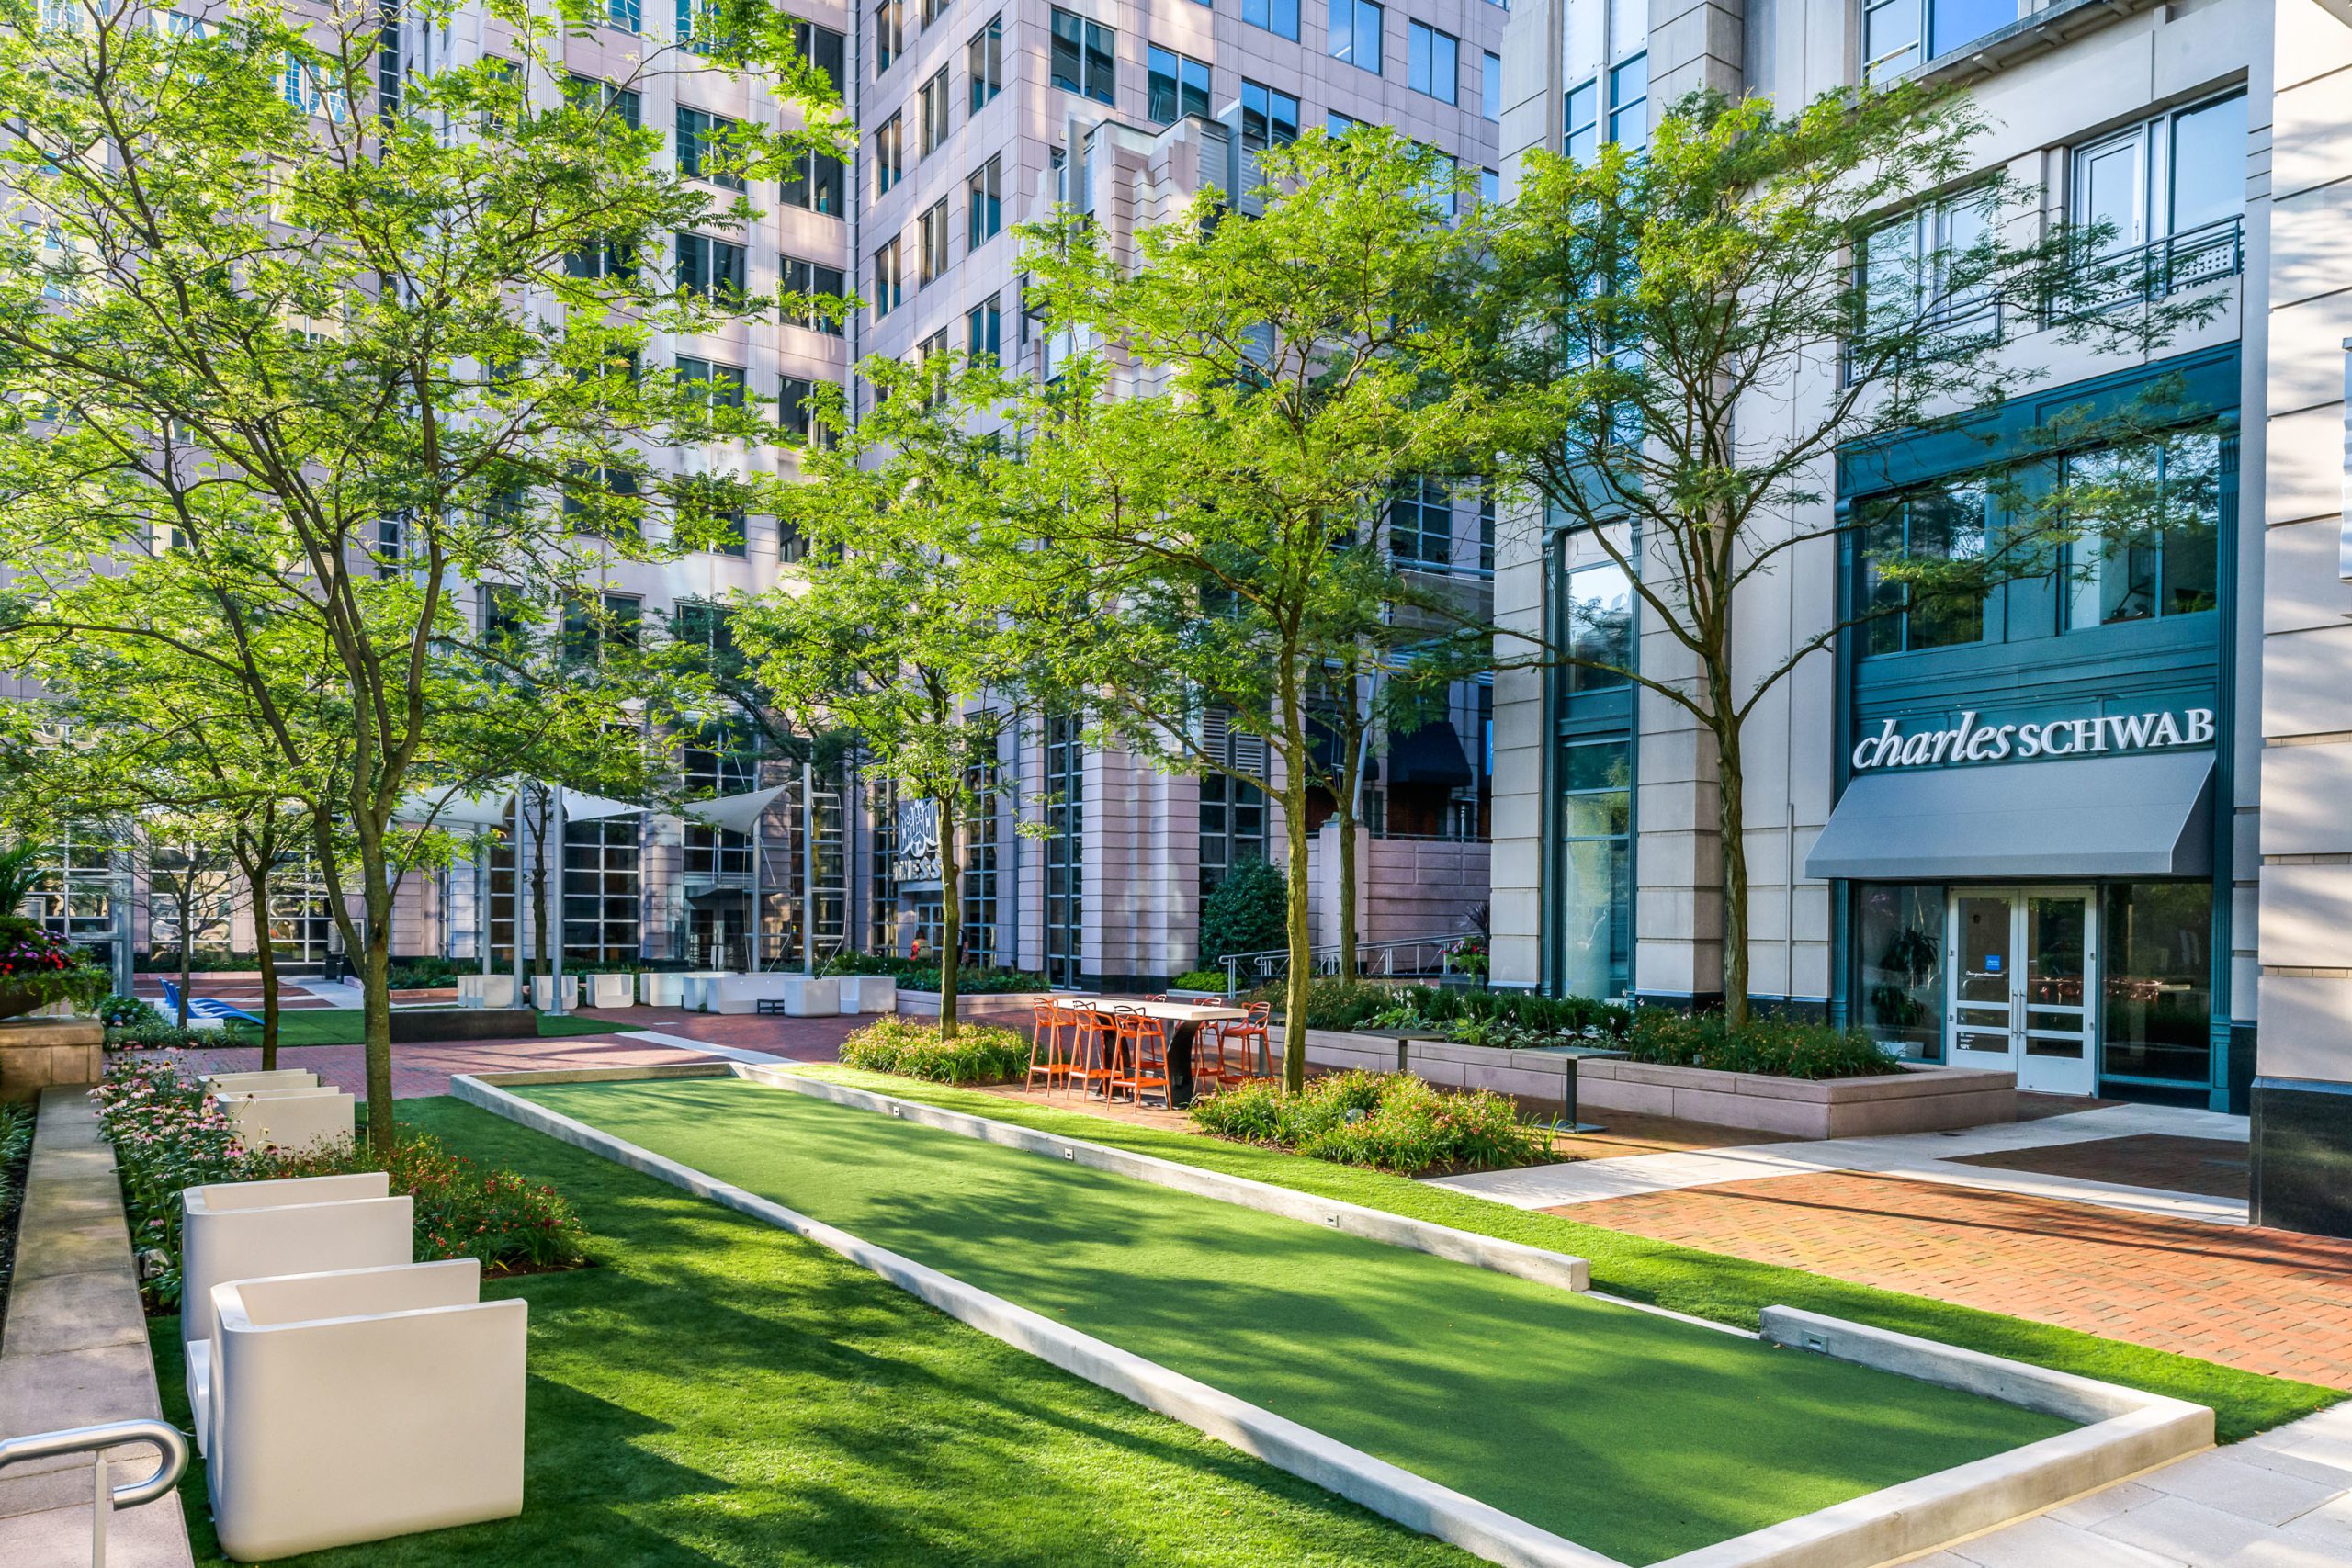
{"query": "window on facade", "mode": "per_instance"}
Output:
(983, 204)
(889, 279)
(981, 842)
(627, 14)
(711, 385)
(2168, 494)
(708, 504)
(702, 148)
(602, 500)
(1491, 186)
(889, 155)
(1898, 952)
(592, 628)
(1582, 141)
(1174, 86)
(1629, 102)
(1597, 607)
(1336, 124)
(930, 264)
(1354, 33)
(709, 267)
(932, 11)
(815, 183)
(796, 411)
(1064, 787)
(2155, 981)
(889, 33)
(983, 329)
(1593, 907)
(702, 623)
(824, 49)
(1278, 17)
(934, 112)
(984, 63)
(1081, 57)
(600, 890)
(718, 760)
(699, 25)
(588, 94)
(1268, 117)
(2172, 189)
(1432, 61)
(73, 895)
(1421, 523)
(1491, 87)
(1921, 279)
(1233, 813)
(299, 914)
(811, 280)
(1934, 523)
(1899, 35)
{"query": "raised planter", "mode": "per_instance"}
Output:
(995, 1007)
(1913, 1099)
(38, 1052)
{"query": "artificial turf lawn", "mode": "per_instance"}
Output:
(1627, 1432)
(718, 1390)
(348, 1026)
(1704, 1284)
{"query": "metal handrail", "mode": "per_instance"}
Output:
(96, 1440)
(1325, 958)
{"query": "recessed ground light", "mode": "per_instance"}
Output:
(1813, 1339)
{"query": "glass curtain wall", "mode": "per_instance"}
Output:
(1065, 850)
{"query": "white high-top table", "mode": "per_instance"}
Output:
(1184, 1020)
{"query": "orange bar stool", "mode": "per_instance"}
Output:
(1048, 1056)
(1141, 1066)
(1093, 1050)
(1233, 1042)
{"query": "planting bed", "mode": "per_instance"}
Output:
(1629, 1432)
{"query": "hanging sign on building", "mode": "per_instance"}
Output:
(1968, 741)
(914, 865)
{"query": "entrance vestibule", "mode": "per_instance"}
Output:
(2024, 963)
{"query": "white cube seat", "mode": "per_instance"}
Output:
(695, 988)
(661, 988)
(743, 993)
(612, 991)
(868, 993)
(359, 1405)
(245, 1083)
(290, 1119)
(543, 991)
(242, 1230)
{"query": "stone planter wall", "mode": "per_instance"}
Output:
(1915, 1099)
(38, 1052)
(998, 1007)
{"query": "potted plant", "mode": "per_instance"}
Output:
(35, 968)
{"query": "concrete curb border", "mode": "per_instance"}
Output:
(1539, 1264)
(2126, 1431)
(1385, 1489)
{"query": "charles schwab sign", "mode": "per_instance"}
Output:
(1969, 741)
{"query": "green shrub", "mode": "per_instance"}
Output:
(1387, 1121)
(118, 1011)
(974, 982)
(168, 1135)
(15, 1149)
(1780, 1047)
(164, 1034)
(1337, 1004)
(1247, 912)
(979, 1054)
(426, 974)
(1200, 980)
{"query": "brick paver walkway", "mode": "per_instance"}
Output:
(2146, 1159)
(2268, 1300)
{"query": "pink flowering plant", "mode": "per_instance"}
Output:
(168, 1135)
(37, 969)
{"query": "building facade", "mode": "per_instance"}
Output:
(2035, 832)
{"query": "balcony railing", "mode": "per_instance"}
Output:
(2167, 265)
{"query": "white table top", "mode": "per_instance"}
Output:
(1173, 1013)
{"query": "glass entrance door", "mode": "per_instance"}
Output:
(2024, 963)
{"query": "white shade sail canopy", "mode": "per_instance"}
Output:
(736, 813)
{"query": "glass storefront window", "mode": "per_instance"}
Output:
(1595, 892)
(1899, 943)
(2156, 980)
(1600, 613)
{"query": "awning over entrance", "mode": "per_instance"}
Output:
(1429, 755)
(2133, 815)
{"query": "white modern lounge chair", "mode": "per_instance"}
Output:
(291, 1118)
(661, 988)
(612, 991)
(868, 993)
(358, 1404)
(245, 1230)
(543, 991)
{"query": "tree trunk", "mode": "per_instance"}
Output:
(1300, 939)
(375, 963)
(269, 1001)
(1730, 825)
(539, 949)
(951, 912)
(187, 939)
(253, 860)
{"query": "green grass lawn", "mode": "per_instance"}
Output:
(721, 1392)
(1704, 1284)
(1628, 1432)
(346, 1026)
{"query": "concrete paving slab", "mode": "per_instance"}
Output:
(153, 1534)
(2264, 1495)
(65, 1312)
(2038, 1543)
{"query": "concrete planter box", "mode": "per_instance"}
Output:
(38, 1052)
(1913, 1099)
(995, 1007)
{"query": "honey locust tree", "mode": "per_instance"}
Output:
(340, 336)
